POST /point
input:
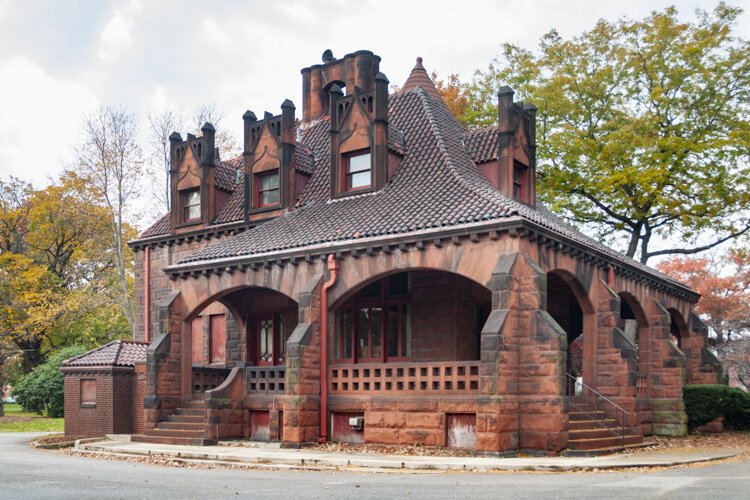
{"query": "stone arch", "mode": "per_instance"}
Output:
(678, 327)
(419, 314)
(572, 309)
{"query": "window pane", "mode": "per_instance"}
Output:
(282, 337)
(398, 284)
(359, 180)
(377, 332)
(269, 197)
(405, 331)
(194, 212)
(393, 331)
(347, 334)
(370, 291)
(359, 163)
(363, 333)
(269, 181)
(194, 198)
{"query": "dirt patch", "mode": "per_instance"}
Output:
(15, 420)
(735, 440)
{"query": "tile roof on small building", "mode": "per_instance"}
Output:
(115, 353)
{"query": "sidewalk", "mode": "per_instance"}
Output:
(266, 455)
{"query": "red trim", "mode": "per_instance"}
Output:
(259, 192)
(333, 267)
(344, 180)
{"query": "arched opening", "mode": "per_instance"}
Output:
(243, 327)
(415, 315)
(678, 329)
(569, 306)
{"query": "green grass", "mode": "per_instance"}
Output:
(31, 422)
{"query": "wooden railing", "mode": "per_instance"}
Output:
(265, 379)
(449, 377)
(205, 379)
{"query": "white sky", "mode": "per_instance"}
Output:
(60, 59)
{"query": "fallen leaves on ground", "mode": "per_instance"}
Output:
(729, 439)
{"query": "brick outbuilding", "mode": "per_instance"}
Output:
(101, 390)
(375, 273)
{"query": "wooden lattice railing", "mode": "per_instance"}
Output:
(265, 379)
(449, 377)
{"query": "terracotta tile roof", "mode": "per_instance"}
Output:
(116, 353)
(482, 144)
(226, 174)
(161, 226)
(420, 78)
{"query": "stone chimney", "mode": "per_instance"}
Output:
(516, 124)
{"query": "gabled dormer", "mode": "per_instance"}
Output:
(516, 157)
(270, 177)
(193, 180)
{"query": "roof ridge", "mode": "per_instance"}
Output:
(432, 119)
(119, 350)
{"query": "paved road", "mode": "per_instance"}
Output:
(29, 473)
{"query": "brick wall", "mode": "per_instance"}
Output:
(113, 411)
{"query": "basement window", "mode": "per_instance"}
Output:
(88, 392)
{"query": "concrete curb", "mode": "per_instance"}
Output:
(390, 463)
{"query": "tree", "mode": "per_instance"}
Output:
(724, 285)
(644, 127)
(161, 124)
(42, 390)
(455, 95)
(225, 141)
(14, 213)
(110, 162)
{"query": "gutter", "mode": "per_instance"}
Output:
(333, 268)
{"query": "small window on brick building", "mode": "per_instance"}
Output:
(520, 182)
(358, 170)
(191, 205)
(88, 392)
(268, 188)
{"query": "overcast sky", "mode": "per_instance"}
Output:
(60, 59)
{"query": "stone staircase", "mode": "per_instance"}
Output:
(186, 426)
(592, 431)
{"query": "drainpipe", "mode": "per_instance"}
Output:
(147, 294)
(333, 267)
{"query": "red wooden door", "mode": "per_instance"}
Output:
(218, 335)
(197, 340)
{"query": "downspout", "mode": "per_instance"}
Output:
(147, 295)
(333, 267)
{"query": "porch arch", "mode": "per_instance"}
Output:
(678, 327)
(417, 314)
(572, 309)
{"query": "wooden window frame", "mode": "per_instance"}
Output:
(259, 191)
(384, 302)
(184, 199)
(88, 403)
(346, 175)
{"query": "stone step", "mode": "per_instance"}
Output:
(166, 424)
(195, 403)
(593, 432)
(575, 425)
(594, 415)
(605, 451)
(187, 433)
(603, 442)
(188, 419)
(185, 441)
(200, 412)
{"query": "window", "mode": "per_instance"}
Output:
(191, 205)
(358, 169)
(88, 392)
(373, 325)
(520, 182)
(268, 188)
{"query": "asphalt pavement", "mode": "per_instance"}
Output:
(31, 473)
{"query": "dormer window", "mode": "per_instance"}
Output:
(191, 205)
(520, 182)
(358, 170)
(268, 188)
